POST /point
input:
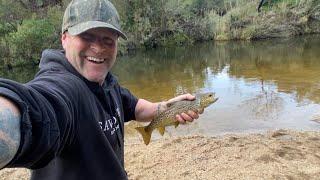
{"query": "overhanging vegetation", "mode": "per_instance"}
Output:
(27, 27)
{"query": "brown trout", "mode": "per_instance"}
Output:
(167, 117)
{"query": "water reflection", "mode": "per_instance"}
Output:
(261, 85)
(292, 65)
(160, 74)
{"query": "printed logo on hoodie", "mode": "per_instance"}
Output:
(110, 125)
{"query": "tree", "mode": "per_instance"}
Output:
(36, 5)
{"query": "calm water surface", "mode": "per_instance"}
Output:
(261, 85)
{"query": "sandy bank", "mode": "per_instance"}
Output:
(280, 154)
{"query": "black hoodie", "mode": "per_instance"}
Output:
(71, 128)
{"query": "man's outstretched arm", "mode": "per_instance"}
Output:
(9, 130)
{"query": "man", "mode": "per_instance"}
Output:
(68, 122)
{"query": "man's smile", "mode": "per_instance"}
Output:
(95, 60)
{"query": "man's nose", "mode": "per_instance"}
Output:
(97, 46)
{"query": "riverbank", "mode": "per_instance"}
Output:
(155, 24)
(281, 154)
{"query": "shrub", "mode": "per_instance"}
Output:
(32, 36)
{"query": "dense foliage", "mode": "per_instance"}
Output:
(29, 26)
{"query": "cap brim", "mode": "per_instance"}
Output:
(82, 27)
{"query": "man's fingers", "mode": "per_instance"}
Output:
(182, 97)
(193, 114)
(188, 97)
(190, 116)
(180, 119)
(186, 117)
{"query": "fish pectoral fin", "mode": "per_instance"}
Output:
(200, 110)
(161, 130)
(146, 135)
(176, 124)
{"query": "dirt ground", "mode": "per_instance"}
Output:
(281, 154)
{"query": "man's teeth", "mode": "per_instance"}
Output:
(95, 59)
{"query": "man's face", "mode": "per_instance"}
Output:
(92, 53)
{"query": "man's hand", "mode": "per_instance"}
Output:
(145, 110)
(183, 117)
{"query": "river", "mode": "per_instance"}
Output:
(261, 85)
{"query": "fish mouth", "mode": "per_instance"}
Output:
(95, 60)
(214, 100)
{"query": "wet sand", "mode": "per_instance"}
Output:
(281, 154)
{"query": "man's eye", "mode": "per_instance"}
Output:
(108, 41)
(87, 37)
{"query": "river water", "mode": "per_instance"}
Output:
(263, 85)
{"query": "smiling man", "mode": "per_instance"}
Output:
(68, 122)
(91, 53)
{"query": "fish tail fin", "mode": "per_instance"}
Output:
(146, 135)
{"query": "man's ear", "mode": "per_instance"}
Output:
(63, 40)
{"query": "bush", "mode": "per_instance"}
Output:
(32, 36)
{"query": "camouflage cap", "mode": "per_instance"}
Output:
(82, 15)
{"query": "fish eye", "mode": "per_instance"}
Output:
(210, 95)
